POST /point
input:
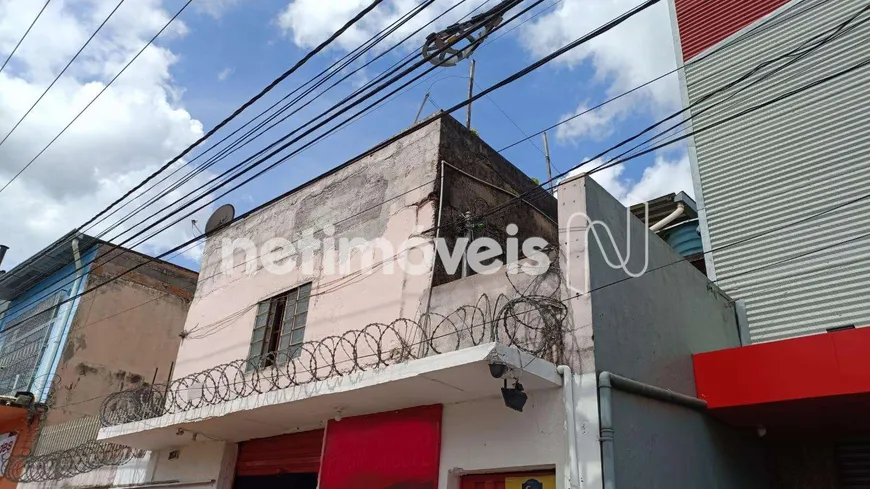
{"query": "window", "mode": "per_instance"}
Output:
(279, 328)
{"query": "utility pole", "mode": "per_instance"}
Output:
(470, 93)
(547, 157)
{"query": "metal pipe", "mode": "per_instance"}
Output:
(608, 381)
(3, 249)
(669, 218)
(605, 436)
(420, 110)
(470, 93)
(549, 167)
(571, 417)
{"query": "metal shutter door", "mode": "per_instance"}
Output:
(286, 454)
(853, 464)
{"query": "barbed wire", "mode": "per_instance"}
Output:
(87, 457)
(531, 322)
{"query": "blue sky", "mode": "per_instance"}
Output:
(224, 51)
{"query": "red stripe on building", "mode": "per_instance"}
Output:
(704, 23)
(396, 449)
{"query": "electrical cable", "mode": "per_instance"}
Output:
(12, 53)
(56, 78)
(504, 82)
(251, 101)
(758, 29)
(238, 144)
(416, 127)
(280, 149)
(768, 24)
(94, 99)
(350, 23)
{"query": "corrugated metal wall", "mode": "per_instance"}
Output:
(704, 23)
(784, 163)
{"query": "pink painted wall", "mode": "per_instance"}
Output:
(221, 317)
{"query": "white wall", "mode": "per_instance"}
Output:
(484, 436)
(198, 463)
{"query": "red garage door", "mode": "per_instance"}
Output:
(286, 454)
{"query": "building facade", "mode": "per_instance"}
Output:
(775, 93)
(68, 350)
(307, 365)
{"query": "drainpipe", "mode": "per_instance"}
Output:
(608, 381)
(54, 347)
(669, 218)
(571, 417)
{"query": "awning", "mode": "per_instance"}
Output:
(445, 378)
(815, 383)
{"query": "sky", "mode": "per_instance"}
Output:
(219, 53)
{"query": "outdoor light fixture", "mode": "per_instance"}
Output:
(497, 369)
(514, 397)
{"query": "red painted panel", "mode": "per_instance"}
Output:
(295, 453)
(391, 450)
(704, 23)
(830, 364)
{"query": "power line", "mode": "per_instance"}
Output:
(247, 139)
(117, 246)
(597, 32)
(244, 106)
(86, 107)
(60, 74)
(707, 96)
(286, 145)
(769, 24)
(38, 15)
(431, 120)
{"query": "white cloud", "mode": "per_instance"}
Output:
(310, 22)
(663, 177)
(629, 55)
(224, 74)
(215, 8)
(135, 126)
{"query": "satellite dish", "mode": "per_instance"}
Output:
(220, 218)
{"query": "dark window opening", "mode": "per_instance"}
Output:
(279, 328)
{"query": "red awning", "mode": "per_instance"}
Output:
(815, 381)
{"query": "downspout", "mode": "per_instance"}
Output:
(669, 218)
(571, 417)
(54, 348)
(608, 381)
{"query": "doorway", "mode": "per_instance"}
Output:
(278, 481)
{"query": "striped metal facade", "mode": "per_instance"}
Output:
(776, 166)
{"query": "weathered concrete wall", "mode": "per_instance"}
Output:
(477, 179)
(647, 328)
(386, 195)
(121, 334)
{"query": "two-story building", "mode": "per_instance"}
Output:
(63, 350)
(333, 343)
